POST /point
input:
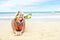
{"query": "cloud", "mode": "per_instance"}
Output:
(21, 2)
(9, 5)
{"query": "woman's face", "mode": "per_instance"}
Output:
(20, 16)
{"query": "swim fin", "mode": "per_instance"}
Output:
(28, 16)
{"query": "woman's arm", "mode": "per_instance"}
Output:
(23, 26)
(12, 24)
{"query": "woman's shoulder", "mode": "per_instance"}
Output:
(23, 20)
(13, 20)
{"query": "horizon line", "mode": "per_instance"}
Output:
(36, 12)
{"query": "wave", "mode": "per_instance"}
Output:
(10, 17)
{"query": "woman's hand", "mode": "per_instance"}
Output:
(14, 32)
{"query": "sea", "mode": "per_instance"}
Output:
(36, 16)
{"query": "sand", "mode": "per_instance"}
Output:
(33, 31)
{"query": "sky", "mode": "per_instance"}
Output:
(29, 5)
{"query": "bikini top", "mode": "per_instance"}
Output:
(20, 22)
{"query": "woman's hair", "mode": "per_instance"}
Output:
(17, 14)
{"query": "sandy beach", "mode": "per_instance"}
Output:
(42, 18)
(33, 31)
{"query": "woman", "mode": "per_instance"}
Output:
(18, 24)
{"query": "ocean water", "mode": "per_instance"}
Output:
(36, 16)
